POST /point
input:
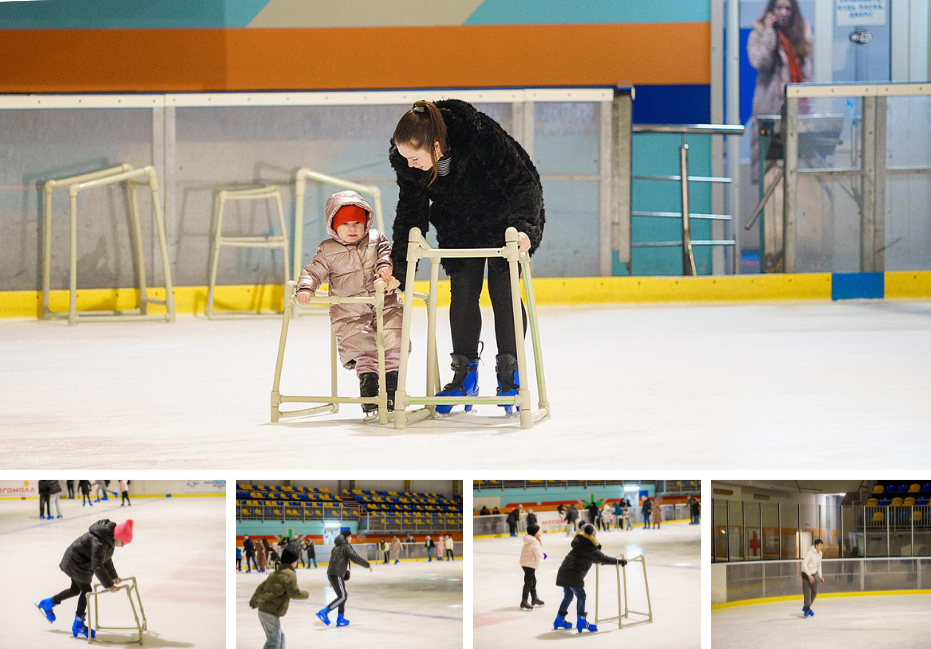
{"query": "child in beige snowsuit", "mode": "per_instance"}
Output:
(351, 260)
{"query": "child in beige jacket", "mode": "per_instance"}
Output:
(530, 557)
(351, 260)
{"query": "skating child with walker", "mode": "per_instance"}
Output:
(530, 557)
(571, 576)
(88, 556)
(338, 573)
(351, 260)
(273, 596)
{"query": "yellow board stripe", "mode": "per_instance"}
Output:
(790, 598)
(548, 291)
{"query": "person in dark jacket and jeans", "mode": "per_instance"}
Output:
(571, 576)
(572, 516)
(273, 596)
(458, 170)
(44, 499)
(84, 486)
(338, 573)
(88, 556)
(248, 547)
(646, 510)
(512, 520)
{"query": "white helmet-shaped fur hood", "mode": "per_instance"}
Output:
(341, 199)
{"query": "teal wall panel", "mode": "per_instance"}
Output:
(550, 12)
(119, 14)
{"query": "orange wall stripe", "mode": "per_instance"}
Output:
(166, 60)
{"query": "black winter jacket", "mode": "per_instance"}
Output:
(249, 547)
(585, 551)
(90, 555)
(311, 551)
(340, 557)
(513, 517)
(492, 185)
(44, 487)
(54, 487)
(531, 519)
(84, 486)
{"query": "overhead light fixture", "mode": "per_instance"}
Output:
(760, 497)
(332, 524)
(631, 487)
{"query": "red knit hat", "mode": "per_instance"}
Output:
(348, 213)
(124, 531)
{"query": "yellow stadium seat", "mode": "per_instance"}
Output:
(914, 488)
(878, 489)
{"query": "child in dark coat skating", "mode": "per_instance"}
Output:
(571, 576)
(89, 556)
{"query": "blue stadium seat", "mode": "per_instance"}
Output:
(903, 489)
(885, 502)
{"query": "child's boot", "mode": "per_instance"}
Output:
(508, 379)
(322, 614)
(368, 387)
(79, 628)
(584, 624)
(341, 621)
(391, 386)
(560, 623)
(525, 605)
(45, 607)
(464, 383)
(536, 601)
(42, 516)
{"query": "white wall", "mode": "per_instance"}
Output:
(788, 497)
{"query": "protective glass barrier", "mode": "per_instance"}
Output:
(753, 541)
(735, 529)
(495, 524)
(789, 532)
(770, 523)
(719, 507)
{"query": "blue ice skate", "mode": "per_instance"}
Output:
(42, 516)
(322, 615)
(79, 628)
(341, 621)
(560, 623)
(810, 612)
(508, 380)
(45, 607)
(584, 625)
(464, 383)
(396, 561)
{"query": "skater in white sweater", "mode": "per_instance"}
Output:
(530, 557)
(811, 575)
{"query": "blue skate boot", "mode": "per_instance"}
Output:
(508, 380)
(560, 623)
(79, 628)
(810, 612)
(464, 383)
(42, 516)
(322, 615)
(45, 607)
(341, 621)
(584, 625)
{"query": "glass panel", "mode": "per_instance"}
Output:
(720, 529)
(753, 541)
(829, 532)
(921, 515)
(859, 61)
(853, 531)
(770, 520)
(789, 531)
(908, 183)
(735, 531)
(876, 539)
(809, 529)
(744, 581)
(890, 575)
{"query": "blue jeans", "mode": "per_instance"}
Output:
(646, 520)
(274, 638)
(579, 593)
(430, 554)
(251, 558)
(697, 519)
(314, 559)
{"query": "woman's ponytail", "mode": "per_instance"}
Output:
(420, 127)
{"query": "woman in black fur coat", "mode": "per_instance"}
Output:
(458, 170)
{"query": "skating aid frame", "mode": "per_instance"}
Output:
(129, 585)
(623, 612)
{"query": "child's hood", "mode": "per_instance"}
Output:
(528, 539)
(341, 199)
(103, 530)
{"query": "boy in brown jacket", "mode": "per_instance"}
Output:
(274, 594)
(351, 260)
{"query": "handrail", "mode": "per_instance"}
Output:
(683, 178)
(689, 129)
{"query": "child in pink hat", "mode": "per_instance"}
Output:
(88, 556)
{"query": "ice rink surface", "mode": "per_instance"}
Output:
(673, 570)
(655, 378)
(177, 555)
(405, 606)
(889, 621)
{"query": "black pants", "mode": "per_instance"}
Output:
(465, 316)
(77, 588)
(512, 527)
(70, 485)
(126, 498)
(239, 563)
(449, 555)
(85, 498)
(530, 583)
(44, 506)
(341, 594)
